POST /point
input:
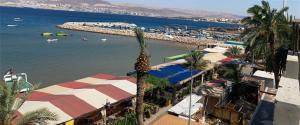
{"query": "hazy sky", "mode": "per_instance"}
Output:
(238, 7)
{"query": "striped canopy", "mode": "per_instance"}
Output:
(70, 100)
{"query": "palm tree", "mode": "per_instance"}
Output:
(195, 61)
(232, 71)
(10, 103)
(142, 66)
(267, 30)
(235, 51)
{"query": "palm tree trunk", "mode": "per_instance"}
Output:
(140, 98)
(275, 67)
(276, 73)
(299, 68)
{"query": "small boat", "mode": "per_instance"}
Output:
(47, 34)
(17, 19)
(84, 39)
(61, 34)
(19, 80)
(52, 40)
(169, 36)
(11, 25)
(103, 40)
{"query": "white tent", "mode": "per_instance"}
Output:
(216, 50)
(264, 74)
(182, 108)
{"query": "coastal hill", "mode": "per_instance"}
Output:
(107, 7)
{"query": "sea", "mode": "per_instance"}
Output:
(69, 58)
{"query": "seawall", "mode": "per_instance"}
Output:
(129, 32)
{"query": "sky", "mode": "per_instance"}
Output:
(238, 7)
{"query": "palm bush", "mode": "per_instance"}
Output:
(235, 52)
(10, 103)
(196, 61)
(231, 71)
(129, 119)
(157, 82)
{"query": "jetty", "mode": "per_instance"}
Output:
(126, 29)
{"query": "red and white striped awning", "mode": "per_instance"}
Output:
(70, 100)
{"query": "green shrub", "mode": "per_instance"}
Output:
(129, 119)
(157, 82)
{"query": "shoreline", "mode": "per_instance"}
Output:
(186, 41)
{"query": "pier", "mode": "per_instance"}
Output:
(127, 30)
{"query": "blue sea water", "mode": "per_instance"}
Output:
(23, 48)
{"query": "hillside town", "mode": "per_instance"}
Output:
(106, 7)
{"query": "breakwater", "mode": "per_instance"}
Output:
(129, 32)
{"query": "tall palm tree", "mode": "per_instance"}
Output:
(142, 66)
(267, 30)
(195, 61)
(10, 103)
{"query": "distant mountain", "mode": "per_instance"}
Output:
(72, 2)
(104, 6)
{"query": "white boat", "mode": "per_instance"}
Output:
(103, 40)
(18, 80)
(84, 39)
(17, 18)
(52, 40)
(11, 25)
(169, 36)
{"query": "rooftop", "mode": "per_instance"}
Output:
(72, 99)
(182, 107)
(287, 103)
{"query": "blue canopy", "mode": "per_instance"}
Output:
(174, 73)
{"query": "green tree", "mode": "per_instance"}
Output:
(157, 82)
(231, 71)
(129, 119)
(196, 61)
(142, 66)
(267, 30)
(11, 102)
(235, 51)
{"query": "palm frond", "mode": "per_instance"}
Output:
(196, 61)
(140, 38)
(231, 71)
(41, 116)
(235, 51)
(11, 100)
